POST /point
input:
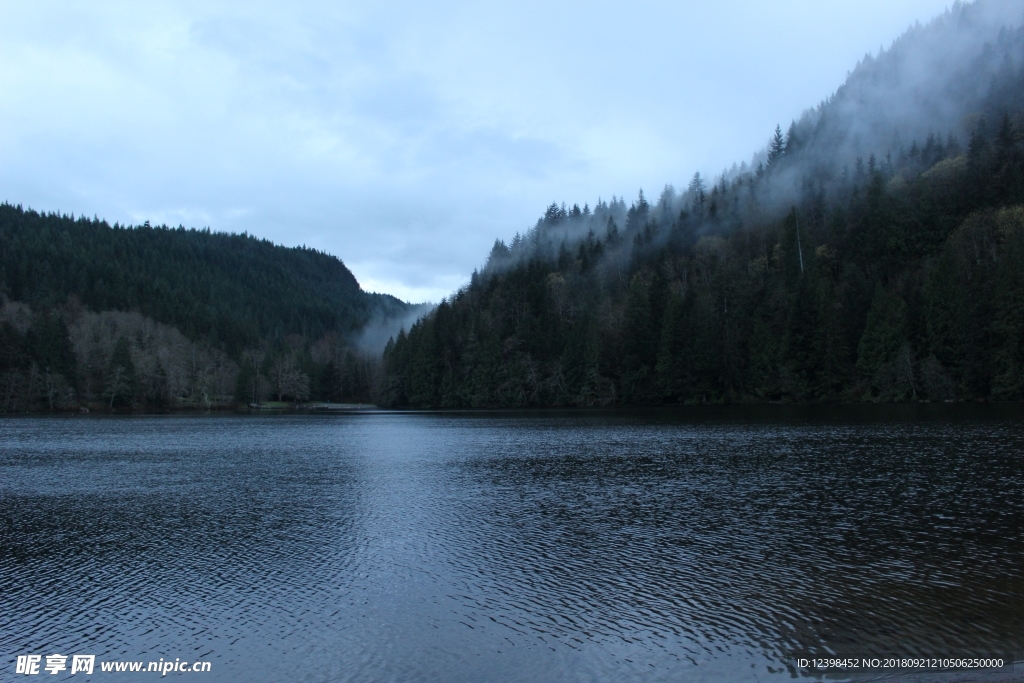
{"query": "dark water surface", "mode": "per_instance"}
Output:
(657, 546)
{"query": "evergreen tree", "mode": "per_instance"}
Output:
(883, 338)
(120, 375)
(776, 147)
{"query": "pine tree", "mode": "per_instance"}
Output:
(884, 336)
(776, 147)
(120, 375)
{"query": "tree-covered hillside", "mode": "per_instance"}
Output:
(138, 317)
(232, 289)
(875, 251)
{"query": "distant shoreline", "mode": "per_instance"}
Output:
(872, 411)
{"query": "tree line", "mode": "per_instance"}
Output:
(903, 281)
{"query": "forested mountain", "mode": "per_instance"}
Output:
(154, 316)
(873, 251)
(236, 289)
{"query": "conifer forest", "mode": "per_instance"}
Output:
(873, 252)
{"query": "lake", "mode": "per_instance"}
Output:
(658, 545)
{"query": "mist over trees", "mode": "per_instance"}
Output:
(874, 250)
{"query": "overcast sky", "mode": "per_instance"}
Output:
(403, 137)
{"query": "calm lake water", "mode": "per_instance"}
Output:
(711, 544)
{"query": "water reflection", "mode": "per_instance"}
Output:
(508, 547)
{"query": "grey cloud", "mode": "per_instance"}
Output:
(402, 137)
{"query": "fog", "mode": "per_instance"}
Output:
(374, 336)
(931, 85)
(401, 137)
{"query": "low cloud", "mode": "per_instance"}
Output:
(374, 336)
(375, 130)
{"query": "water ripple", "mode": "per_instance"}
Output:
(511, 547)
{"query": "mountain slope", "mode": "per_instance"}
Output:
(143, 318)
(231, 289)
(873, 252)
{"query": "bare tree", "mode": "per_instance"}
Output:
(168, 366)
(288, 379)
